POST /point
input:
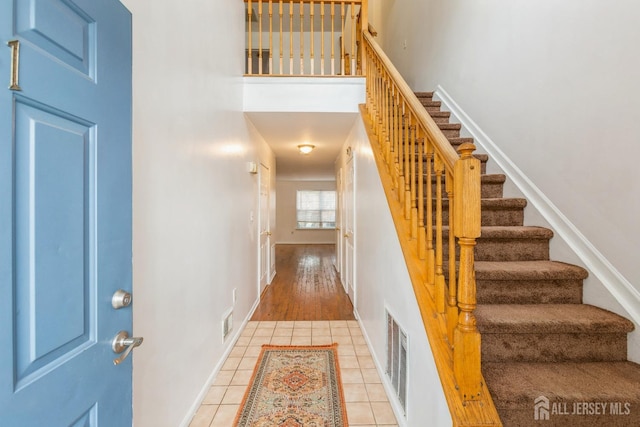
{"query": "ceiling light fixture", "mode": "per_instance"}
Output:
(306, 148)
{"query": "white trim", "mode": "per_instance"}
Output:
(621, 289)
(216, 370)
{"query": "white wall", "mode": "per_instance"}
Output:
(192, 199)
(382, 281)
(286, 231)
(555, 86)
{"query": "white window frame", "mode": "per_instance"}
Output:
(320, 215)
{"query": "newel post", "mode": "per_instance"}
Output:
(466, 341)
(364, 26)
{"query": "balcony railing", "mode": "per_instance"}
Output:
(302, 37)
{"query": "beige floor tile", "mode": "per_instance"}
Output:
(204, 416)
(338, 323)
(362, 350)
(366, 362)
(358, 340)
(248, 363)
(225, 415)
(285, 324)
(300, 340)
(324, 332)
(340, 332)
(320, 324)
(281, 340)
(346, 350)
(303, 324)
(342, 340)
(360, 413)
(263, 332)
(283, 332)
(370, 375)
(242, 377)
(223, 378)
(298, 332)
(321, 340)
(258, 341)
(214, 395)
(231, 364)
(267, 324)
(253, 351)
(351, 376)
(237, 351)
(234, 394)
(383, 413)
(376, 392)
(251, 325)
(243, 340)
(355, 393)
(348, 361)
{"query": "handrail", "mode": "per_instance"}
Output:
(437, 233)
(288, 42)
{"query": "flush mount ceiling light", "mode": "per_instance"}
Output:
(306, 148)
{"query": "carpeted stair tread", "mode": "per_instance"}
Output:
(460, 140)
(528, 270)
(424, 94)
(440, 116)
(572, 382)
(515, 232)
(549, 318)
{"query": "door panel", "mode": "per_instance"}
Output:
(350, 231)
(65, 213)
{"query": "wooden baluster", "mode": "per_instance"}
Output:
(452, 300)
(270, 36)
(342, 72)
(431, 258)
(311, 13)
(440, 285)
(353, 39)
(333, 39)
(280, 13)
(402, 138)
(407, 166)
(291, 37)
(301, 37)
(259, 36)
(466, 341)
(249, 37)
(421, 232)
(322, 38)
(414, 180)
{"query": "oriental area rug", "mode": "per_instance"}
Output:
(294, 386)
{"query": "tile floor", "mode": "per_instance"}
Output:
(367, 403)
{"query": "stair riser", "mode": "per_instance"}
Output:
(488, 190)
(529, 292)
(506, 249)
(578, 347)
(489, 217)
(451, 133)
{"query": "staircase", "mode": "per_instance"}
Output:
(547, 358)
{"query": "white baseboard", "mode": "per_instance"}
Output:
(207, 384)
(619, 287)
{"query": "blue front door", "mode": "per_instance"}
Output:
(65, 212)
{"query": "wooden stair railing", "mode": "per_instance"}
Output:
(305, 31)
(417, 165)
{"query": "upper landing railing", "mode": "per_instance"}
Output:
(303, 37)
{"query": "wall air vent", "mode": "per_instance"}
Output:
(227, 324)
(397, 360)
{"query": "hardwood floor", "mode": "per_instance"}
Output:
(306, 287)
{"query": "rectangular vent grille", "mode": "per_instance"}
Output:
(397, 360)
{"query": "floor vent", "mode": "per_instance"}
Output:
(397, 360)
(227, 325)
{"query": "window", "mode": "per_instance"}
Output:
(316, 209)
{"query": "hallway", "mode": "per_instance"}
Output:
(306, 287)
(305, 305)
